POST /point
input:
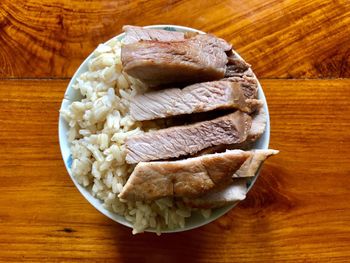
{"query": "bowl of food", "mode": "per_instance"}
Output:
(164, 128)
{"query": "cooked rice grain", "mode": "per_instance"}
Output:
(99, 125)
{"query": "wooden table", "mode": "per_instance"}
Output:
(299, 209)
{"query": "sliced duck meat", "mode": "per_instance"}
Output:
(237, 190)
(200, 97)
(190, 178)
(196, 59)
(188, 139)
(135, 34)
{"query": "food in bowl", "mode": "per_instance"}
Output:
(165, 126)
(191, 177)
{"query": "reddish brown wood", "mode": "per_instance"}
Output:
(298, 211)
(281, 39)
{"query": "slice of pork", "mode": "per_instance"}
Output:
(257, 129)
(236, 66)
(237, 190)
(200, 97)
(249, 85)
(188, 139)
(196, 59)
(135, 34)
(259, 123)
(191, 178)
(226, 195)
(253, 163)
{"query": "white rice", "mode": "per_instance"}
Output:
(99, 125)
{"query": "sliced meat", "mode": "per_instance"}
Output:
(233, 71)
(197, 59)
(194, 117)
(256, 131)
(253, 163)
(228, 195)
(189, 139)
(185, 178)
(237, 190)
(249, 85)
(135, 33)
(258, 124)
(189, 178)
(236, 66)
(200, 97)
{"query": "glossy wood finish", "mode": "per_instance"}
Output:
(282, 39)
(299, 209)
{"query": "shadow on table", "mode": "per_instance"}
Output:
(148, 247)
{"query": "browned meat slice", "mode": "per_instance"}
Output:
(258, 125)
(188, 139)
(135, 33)
(189, 178)
(236, 66)
(185, 178)
(200, 97)
(237, 190)
(226, 195)
(234, 71)
(256, 131)
(249, 85)
(197, 59)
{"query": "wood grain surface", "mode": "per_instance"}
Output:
(281, 39)
(299, 209)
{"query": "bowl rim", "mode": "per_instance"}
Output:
(96, 203)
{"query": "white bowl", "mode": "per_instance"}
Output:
(196, 220)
